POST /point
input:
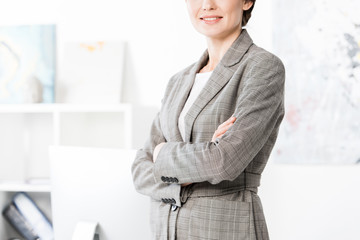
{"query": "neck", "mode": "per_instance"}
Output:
(217, 47)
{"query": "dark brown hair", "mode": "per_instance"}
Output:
(247, 13)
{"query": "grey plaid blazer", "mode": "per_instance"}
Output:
(222, 203)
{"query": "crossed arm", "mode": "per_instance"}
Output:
(143, 166)
(220, 131)
(259, 109)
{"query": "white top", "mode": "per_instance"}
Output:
(199, 83)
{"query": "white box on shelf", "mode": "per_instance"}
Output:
(91, 72)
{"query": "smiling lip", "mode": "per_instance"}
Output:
(210, 19)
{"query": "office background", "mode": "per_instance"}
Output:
(300, 201)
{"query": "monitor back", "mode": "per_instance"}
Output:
(95, 184)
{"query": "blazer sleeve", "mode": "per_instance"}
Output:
(259, 107)
(143, 167)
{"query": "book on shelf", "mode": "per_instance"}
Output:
(27, 219)
(18, 221)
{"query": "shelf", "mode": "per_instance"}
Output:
(24, 187)
(27, 131)
(60, 107)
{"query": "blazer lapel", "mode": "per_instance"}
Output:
(218, 79)
(182, 94)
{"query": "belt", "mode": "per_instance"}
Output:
(245, 181)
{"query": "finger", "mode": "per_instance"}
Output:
(216, 137)
(223, 129)
(230, 120)
(185, 184)
(220, 136)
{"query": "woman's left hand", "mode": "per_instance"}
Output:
(221, 130)
(157, 150)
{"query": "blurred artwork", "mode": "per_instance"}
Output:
(319, 43)
(27, 64)
(91, 72)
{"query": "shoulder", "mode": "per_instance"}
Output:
(175, 81)
(259, 66)
(179, 76)
(257, 57)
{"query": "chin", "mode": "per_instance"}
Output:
(214, 35)
(210, 33)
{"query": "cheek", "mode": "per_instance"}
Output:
(190, 10)
(235, 9)
(236, 15)
(192, 13)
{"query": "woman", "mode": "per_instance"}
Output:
(214, 133)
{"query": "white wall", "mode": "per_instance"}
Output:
(312, 202)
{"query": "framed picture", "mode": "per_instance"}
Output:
(319, 43)
(27, 64)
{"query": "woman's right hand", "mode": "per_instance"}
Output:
(221, 130)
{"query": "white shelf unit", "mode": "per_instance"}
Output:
(27, 130)
(24, 187)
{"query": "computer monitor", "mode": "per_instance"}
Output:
(95, 184)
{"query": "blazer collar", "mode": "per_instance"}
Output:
(220, 76)
(237, 49)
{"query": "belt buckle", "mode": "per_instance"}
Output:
(173, 207)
